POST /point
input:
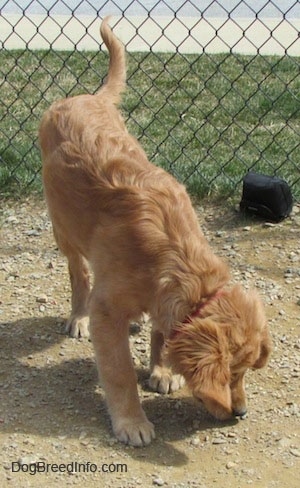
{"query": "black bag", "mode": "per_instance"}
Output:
(269, 197)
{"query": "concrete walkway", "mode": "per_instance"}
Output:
(186, 34)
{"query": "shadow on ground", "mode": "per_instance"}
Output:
(46, 394)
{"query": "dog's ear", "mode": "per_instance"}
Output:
(200, 353)
(211, 380)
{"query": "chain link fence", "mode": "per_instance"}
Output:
(213, 87)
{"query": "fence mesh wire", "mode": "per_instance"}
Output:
(213, 87)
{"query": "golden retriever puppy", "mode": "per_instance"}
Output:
(136, 227)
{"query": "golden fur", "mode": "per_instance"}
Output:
(135, 225)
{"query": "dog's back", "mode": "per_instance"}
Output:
(101, 188)
(92, 165)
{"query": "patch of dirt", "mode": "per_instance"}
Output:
(52, 411)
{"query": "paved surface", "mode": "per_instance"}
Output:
(163, 33)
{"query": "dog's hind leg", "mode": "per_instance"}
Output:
(162, 378)
(78, 323)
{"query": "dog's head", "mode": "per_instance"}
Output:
(214, 350)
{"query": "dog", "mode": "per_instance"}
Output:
(134, 225)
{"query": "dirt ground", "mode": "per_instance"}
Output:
(52, 411)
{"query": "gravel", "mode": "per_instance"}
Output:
(52, 407)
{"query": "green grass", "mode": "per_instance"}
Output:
(207, 119)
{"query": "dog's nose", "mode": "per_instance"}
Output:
(239, 412)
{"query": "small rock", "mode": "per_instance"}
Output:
(269, 224)
(230, 465)
(29, 441)
(231, 434)
(85, 443)
(27, 460)
(218, 440)
(33, 233)
(42, 299)
(284, 442)
(249, 472)
(12, 219)
(295, 452)
(196, 424)
(158, 482)
(195, 442)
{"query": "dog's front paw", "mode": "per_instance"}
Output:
(133, 432)
(78, 326)
(163, 381)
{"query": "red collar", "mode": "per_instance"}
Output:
(197, 313)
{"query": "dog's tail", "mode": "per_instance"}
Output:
(115, 82)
